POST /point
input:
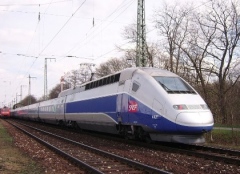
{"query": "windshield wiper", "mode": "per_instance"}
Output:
(164, 86)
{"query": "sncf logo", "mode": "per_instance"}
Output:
(132, 106)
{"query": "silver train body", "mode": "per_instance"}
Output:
(142, 103)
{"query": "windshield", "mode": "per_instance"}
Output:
(174, 85)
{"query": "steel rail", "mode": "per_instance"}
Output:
(216, 154)
(136, 164)
(214, 149)
(66, 155)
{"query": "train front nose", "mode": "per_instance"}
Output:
(194, 122)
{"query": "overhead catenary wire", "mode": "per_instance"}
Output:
(87, 40)
(56, 35)
(39, 19)
(53, 37)
(92, 32)
(7, 5)
(61, 28)
(123, 8)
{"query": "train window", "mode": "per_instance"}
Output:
(96, 84)
(112, 79)
(87, 86)
(174, 85)
(117, 77)
(135, 87)
(100, 82)
(109, 80)
(104, 81)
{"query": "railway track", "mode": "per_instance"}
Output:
(218, 154)
(93, 160)
(227, 156)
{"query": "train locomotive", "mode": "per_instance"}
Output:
(4, 112)
(140, 103)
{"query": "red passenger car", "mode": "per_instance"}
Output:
(5, 112)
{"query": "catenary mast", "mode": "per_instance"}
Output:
(141, 52)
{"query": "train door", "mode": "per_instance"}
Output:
(157, 113)
(64, 103)
(122, 102)
(60, 110)
(158, 107)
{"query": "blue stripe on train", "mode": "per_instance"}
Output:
(108, 105)
(102, 105)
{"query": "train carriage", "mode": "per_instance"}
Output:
(144, 103)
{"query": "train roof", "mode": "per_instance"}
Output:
(122, 75)
(158, 72)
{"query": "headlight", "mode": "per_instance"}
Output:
(190, 107)
(180, 107)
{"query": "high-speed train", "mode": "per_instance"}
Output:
(142, 103)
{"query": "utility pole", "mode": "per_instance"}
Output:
(21, 92)
(45, 77)
(141, 52)
(29, 90)
(16, 97)
(61, 83)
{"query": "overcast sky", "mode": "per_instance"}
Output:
(87, 29)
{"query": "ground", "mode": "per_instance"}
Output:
(12, 159)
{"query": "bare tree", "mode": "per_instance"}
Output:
(86, 72)
(205, 43)
(111, 66)
(54, 92)
(25, 101)
(72, 78)
(130, 34)
(220, 29)
(172, 24)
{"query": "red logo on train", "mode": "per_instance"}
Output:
(132, 106)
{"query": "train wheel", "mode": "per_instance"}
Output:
(148, 139)
(143, 135)
(126, 132)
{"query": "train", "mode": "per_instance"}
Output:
(144, 103)
(4, 112)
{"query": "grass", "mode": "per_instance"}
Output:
(6, 139)
(227, 126)
(12, 160)
(225, 138)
